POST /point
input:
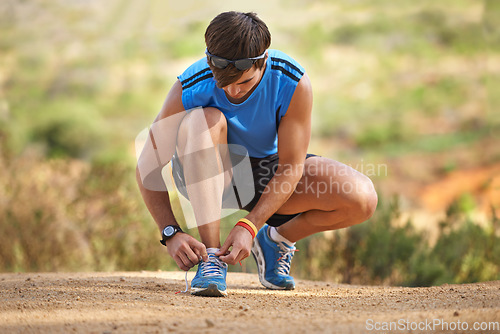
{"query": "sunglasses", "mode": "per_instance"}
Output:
(240, 64)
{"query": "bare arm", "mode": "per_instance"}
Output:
(159, 149)
(149, 165)
(293, 140)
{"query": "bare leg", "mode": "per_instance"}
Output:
(331, 196)
(201, 134)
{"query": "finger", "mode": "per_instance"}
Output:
(201, 251)
(231, 258)
(185, 260)
(188, 250)
(180, 264)
(198, 254)
(195, 259)
(192, 256)
(225, 248)
(242, 255)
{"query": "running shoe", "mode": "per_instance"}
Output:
(210, 278)
(273, 261)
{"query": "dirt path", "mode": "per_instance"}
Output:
(145, 302)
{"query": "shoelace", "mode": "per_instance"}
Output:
(213, 267)
(187, 284)
(285, 259)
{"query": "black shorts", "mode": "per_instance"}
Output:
(263, 169)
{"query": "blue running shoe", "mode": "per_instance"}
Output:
(273, 261)
(210, 278)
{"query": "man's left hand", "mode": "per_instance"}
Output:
(241, 242)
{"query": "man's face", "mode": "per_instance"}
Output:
(238, 91)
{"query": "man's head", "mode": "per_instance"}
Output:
(234, 35)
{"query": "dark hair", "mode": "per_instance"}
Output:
(235, 35)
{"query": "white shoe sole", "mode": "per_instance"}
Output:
(258, 255)
(210, 291)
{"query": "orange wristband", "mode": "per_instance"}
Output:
(249, 223)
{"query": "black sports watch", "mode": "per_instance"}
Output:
(168, 232)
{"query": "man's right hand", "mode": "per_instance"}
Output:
(186, 250)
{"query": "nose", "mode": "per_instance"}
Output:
(233, 90)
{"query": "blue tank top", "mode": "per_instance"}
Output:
(254, 122)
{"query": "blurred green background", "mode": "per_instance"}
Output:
(405, 91)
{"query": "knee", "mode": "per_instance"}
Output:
(214, 118)
(365, 201)
(202, 121)
(204, 118)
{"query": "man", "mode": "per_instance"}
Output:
(244, 94)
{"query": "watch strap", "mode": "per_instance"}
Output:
(164, 238)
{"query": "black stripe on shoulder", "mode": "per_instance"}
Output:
(195, 75)
(285, 72)
(191, 84)
(280, 60)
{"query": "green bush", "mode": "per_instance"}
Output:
(69, 215)
(470, 251)
(384, 251)
(68, 130)
(378, 135)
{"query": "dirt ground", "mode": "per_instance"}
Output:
(146, 302)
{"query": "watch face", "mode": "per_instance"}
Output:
(168, 231)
